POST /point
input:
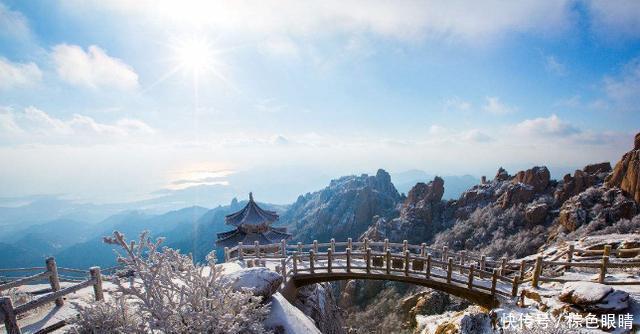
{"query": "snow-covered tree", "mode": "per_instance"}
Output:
(171, 294)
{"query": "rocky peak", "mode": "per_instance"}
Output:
(430, 193)
(501, 175)
(590, 175)
(626, 173)
(537, 177)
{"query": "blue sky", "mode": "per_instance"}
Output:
(113, 100)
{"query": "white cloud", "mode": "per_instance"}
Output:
(624, 90)
(620, 18)
(476, 136)
(13, 24)
(554, 66)
(494, 106)
(281, 46)
(34, 125)
(456, 104)
(94, 68)
(469, 21)
(18, 74)
(549, 126)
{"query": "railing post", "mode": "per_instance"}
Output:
(537, 270)
(386, 245)
(312, 265)
(299, 247)
(283, 247)
(295, 263)
(366, 243)
(463, 255)
(368, 258)
(333, 245)
(406, 262)
(483, 265)
(240, 251)
(405, 245)
(226, 254)
(470, 280)
(10, 319)
(256, 246)
(494, 282)
(605, 262)
(514, 287)
(423, 249)
(329, 259)
(445, 254)
(97, 283)
(523, 265)
(283, 264)
(54, 280)
(315, 246)
(503, 266)
(388, 254)
(427, 272)
(570, 255)
(349, 259)
(350, 243)
(449, 269)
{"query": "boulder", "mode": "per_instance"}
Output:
(537, 177)
(536, 213)
(594, 297)
(626, 173)
(516, 194)
(261, 281)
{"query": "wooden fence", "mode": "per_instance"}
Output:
(421, 260)
(9, 313)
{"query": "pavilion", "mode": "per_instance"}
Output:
(252, 224)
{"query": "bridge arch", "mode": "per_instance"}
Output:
(474, 296)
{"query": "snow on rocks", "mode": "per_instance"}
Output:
(594, 297)
(474, 320)
(262, 281)
(285, 318)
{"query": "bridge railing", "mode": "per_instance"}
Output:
(9, 313)
(467, 276)
(283, 249)
(606, 262)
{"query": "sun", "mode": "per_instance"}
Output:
(195, 56)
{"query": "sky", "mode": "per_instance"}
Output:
(110, 101)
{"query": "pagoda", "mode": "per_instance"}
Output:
(252, 224)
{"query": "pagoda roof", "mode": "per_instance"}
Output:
(251, 214)
(270, 236)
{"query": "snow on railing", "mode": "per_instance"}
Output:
(9, 313)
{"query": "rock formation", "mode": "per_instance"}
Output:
(537, 177)
(317, 302)
(343, 209)
(596, 204)
(626, 173)
(420, 215)
(590, 175)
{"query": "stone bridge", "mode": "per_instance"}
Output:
(470, 276)
(474, 277)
